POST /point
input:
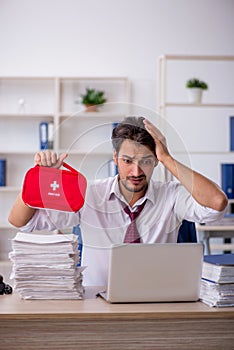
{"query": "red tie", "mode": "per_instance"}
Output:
(132, 234)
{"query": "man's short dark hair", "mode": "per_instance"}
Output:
(132, 128)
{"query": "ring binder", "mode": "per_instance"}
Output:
(228, 179)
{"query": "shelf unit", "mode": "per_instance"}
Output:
(189, 126)
(25, 102)
(194, 141)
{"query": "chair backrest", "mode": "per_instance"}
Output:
(187, 232)
(76, 230)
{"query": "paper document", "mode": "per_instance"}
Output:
(45, 266)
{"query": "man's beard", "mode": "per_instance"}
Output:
(132, 188)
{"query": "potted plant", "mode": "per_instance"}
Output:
(195, 88)
(92, 98)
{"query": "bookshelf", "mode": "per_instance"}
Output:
(189, 127)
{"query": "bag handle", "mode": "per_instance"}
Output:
(69, 167)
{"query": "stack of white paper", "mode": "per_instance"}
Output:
(45, 266)
(217, 284)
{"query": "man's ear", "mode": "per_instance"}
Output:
(115, 157)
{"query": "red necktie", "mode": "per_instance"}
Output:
(132, 234)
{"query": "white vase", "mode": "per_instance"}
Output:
(194, 95)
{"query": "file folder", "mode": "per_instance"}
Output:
(232, 133)
(228, 179)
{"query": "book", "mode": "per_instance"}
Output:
(221, 260)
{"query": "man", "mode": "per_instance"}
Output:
(111, 203)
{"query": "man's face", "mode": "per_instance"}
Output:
(135, 163)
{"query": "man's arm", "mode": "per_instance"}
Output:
(20, 213)
(203, 190)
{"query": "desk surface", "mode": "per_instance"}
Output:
(12, 306)
(93, 323)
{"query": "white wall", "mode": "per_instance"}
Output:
(110, 38)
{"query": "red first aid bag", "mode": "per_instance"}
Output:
(52, 188)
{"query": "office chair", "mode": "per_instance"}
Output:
(187, 232)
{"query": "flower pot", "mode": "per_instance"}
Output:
(194, 95)
(91, 108)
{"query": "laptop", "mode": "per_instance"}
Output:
(168, 272)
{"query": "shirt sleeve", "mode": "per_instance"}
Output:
(187, 208)
(50, 220)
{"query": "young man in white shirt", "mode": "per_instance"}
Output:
(138, 147)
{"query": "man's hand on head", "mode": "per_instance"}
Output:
(161, 149)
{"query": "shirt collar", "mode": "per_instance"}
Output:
(115, 192)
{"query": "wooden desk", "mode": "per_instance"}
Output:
(224, 229)
(94, 324)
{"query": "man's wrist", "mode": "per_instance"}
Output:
(167, 161)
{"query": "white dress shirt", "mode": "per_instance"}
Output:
(103, 221)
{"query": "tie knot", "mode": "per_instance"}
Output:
(134, 214)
